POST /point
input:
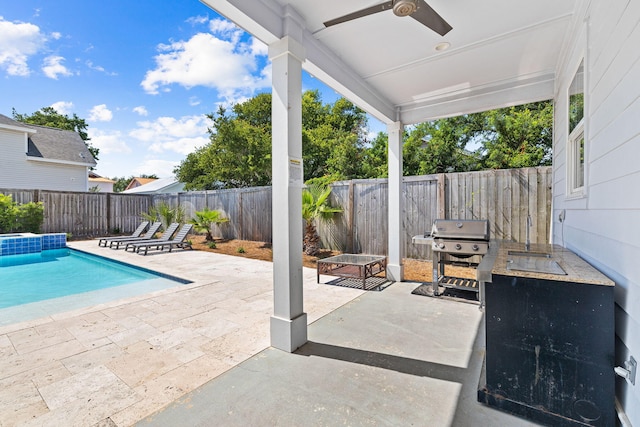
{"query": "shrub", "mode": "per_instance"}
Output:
(212, 245)
(26, 217)
(241, 250)
(7, 214)
(164, 213)
(205, 220)
(29, 217)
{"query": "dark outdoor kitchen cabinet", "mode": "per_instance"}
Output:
(550, 350)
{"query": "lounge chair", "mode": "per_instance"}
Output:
(102, 241)
(166, 236)
(153, 229)
(178, 241)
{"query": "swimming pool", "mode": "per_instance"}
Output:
(48, 275)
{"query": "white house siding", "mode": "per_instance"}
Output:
(18, 172)
(103, 187)
(604, 226)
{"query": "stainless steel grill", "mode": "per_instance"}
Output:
(459, 239)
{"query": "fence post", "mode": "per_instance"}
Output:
(350, 207)
(240, 217)
(108, 209)
(441, 201)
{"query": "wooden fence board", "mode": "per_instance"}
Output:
(504, 197)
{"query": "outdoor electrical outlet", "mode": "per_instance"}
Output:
(561, 215)
(632, 366)
(629, 370)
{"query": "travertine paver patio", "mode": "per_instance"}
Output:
(120, 361)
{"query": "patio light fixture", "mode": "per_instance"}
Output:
(443, 46)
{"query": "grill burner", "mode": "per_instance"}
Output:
(458, 238)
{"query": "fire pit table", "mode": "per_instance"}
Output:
(352, 266)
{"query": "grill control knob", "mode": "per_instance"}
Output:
(458, 246)
(475, 248)
(441, 245)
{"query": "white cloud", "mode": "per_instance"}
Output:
(18, 41)
(181, 135)
(108, 141)
(226, 29)
(63, 107)
(99, 68)
(227, 65)
(196, 20)
(100, 113)
(194, 100)
(161, 168)
(53, 67)
(141, 110)
(258, 48)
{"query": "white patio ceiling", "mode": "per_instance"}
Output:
(503, 52)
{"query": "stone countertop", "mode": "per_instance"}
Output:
(577, 269)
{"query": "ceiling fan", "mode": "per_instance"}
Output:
(417, 9)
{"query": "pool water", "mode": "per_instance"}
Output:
(55, 273)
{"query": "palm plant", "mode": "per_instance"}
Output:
(205, 220)
(165, 213)
(315, 206)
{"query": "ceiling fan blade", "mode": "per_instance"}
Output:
(359, 14)
(429, 17)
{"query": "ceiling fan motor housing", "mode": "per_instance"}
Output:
(404, 7)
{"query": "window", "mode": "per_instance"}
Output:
(575, 143)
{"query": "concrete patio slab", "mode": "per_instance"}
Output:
(198, 354)
(384, 359)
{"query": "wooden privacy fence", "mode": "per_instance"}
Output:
(248, 210)
(86, 214)
(504, 197)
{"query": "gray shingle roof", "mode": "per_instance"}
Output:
(54, 144)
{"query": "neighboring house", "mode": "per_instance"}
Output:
(100, 184)
(157, 186)
(44, 158)
(137, 182)
(507, 54)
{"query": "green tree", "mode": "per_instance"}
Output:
(205, 220)
(332, 138)
(315, 206)
(239, 151)
(519, 136)
(374, 157)
(48, 116)
(440, 146)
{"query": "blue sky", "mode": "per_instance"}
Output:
(142, 73)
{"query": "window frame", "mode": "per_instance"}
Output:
(576, 142)
(576, 161)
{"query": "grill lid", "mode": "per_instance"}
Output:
(460, 229)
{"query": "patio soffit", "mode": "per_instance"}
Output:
(502, 52)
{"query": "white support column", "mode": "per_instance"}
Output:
(395, 268)
(289, 322)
